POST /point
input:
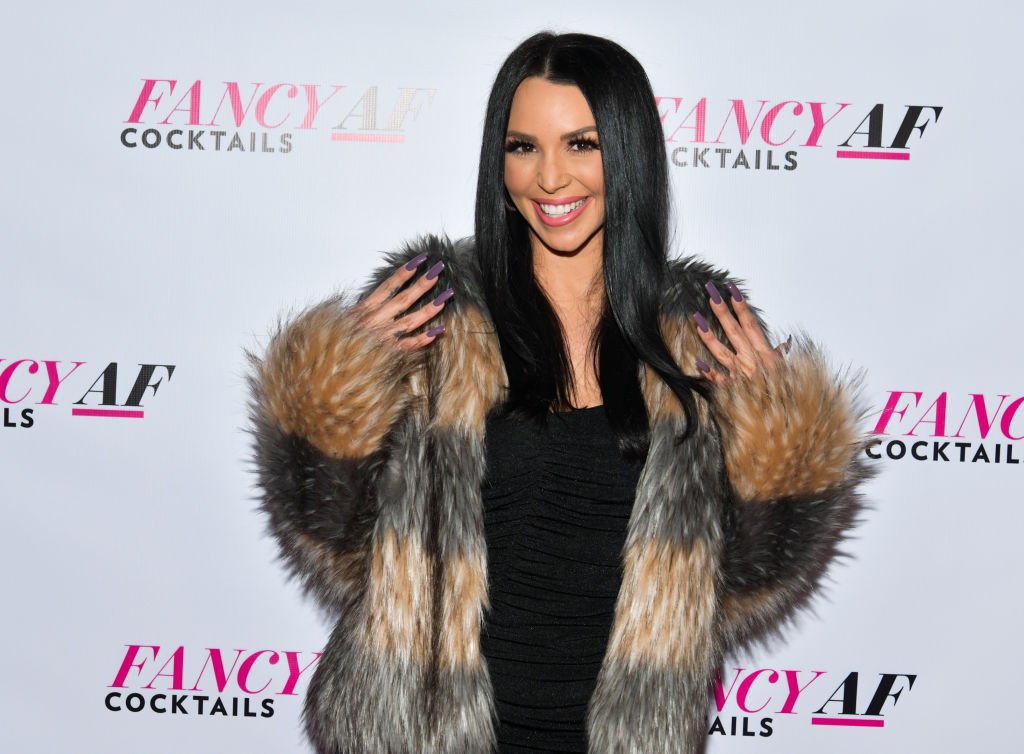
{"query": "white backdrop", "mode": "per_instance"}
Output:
(135, 562)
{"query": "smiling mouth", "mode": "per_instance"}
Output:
(560, 210)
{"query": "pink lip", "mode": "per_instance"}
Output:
(555, 222)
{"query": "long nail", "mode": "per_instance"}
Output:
(434, 271)
(416, 261)
(701, 322)
(443, 297)
(433, 332)
(736, 295)
(703, 366)
(716, 297)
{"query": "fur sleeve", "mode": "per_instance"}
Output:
(793, 458)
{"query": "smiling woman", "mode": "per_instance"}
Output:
(543, 503)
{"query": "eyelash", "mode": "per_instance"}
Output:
(580, 143)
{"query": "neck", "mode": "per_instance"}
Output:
(574, 282)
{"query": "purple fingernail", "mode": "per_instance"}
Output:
(703, 366)
(716, 297)
(443, 297)
(434, 271)
(433, 332)
(736, 295)
(415, 262)
(701, 322)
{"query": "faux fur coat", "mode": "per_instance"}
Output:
(370, 463)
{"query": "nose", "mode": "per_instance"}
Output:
(551, 173)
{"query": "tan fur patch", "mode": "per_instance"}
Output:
(666, 607)
(337, 385)
(398, 598)
(686, 347)
(464, 598)
(470, 372)
(788, 431)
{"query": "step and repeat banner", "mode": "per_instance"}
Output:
(178, 177)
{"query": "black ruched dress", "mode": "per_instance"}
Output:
(557, 501)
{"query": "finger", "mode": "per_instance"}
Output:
(709, 373)
(783, 348)
(419, 341)
(752, 329)
(396, 306)
(387, 289)
(413, 320)
(723, 355)
(732, 328)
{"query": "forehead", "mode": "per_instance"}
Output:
(542, 107)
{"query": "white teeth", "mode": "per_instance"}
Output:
(558, 210)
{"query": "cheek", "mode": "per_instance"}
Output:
(516, 176)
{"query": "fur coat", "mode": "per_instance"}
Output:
(370, 462)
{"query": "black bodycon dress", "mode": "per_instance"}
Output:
(557, 502)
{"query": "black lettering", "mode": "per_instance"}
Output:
(723, 153)
(980, 454)
(152, 703)
(109, 389)
(268, 708)
(193, 140)
(286, 147)
(143, 381)
(771, 165)
(264, 146)
(963, 446)
(884, 691)
(135, 702)
(741, 159)
(848, 697)
(151, 135)
(699, 155)
(675, 152)
(236, 143)
(939, 449)
(178, 704)
(1009, 455)
(172, 144)
(874, 132)
(890, 449)
(910, 124)
(914, 448)
(766, 727)
(870, 446)
(124, 137)
(217, 136)
(201, 700)
(108, 701)
(26, 418)
(790, 165)
(218, 708)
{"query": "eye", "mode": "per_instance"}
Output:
(584, 144)
(518, 146)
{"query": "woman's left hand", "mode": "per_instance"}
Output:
(752, 352)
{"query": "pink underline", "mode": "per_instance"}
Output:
(394, 138)
(847, 721)
(874, 155)
(108, 412)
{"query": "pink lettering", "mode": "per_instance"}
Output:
(744, 127)
(984, 423)
(177, 674)
(294, 672)
(721, 695)
(5, 379)
(193, 96)
(744, 690)
(129, 662)
(264, 102)
(243, 672)
(146, 97)
(220, 675)
(1011, 412)
(939, 409)
(890, 409)
(795, 690)
(313, 105)
(699, 114)
(232, 93)
(769, 121)
(819, 122)
(54, 379)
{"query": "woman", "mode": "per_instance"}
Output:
(541, 504)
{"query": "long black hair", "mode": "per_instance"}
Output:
(635, 240)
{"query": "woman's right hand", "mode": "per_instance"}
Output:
(387, 312)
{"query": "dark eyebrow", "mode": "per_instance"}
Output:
(565, 137)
